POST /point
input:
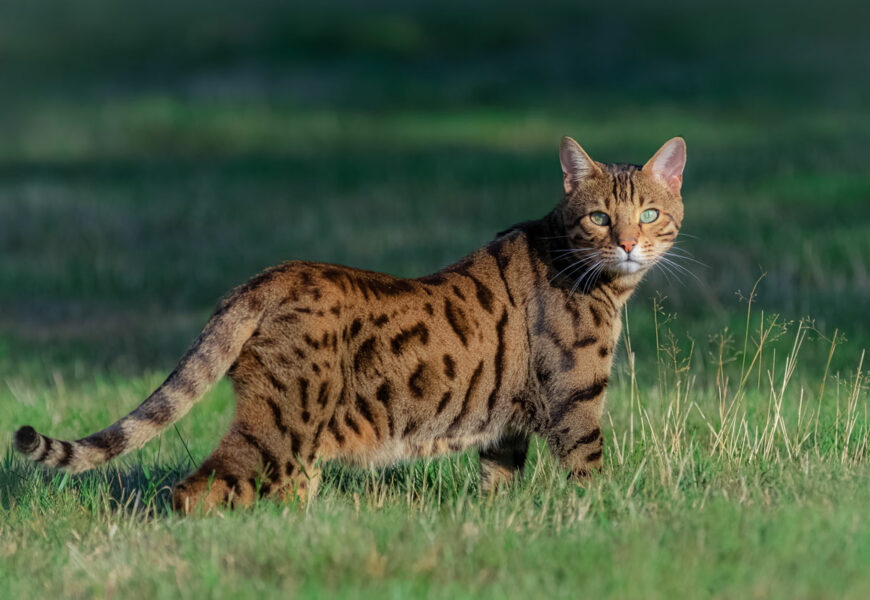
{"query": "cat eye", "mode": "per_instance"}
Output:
(599, 218)
(649, 215)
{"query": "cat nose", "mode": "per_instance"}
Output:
(627, 245)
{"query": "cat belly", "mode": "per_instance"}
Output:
(393, 451)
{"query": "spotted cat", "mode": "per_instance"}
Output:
(334, 363)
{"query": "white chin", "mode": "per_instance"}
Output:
(625, 267)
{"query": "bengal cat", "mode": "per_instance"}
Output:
(330, 362)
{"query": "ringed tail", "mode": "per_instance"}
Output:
(207, 360)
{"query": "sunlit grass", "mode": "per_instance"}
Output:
(692, 469)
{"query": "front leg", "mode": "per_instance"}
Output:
(501, 461)
(574, 432)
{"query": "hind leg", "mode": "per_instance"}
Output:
(241, 469)
(228, 477)
(499, 463)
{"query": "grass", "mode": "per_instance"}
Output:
(709, 489)
(153, 156)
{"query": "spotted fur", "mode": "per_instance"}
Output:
(330, 362)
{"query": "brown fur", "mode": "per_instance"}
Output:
(330, 362)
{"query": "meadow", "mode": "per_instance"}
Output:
(154, 156)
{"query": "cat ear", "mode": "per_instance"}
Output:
(668, 163)
(576, 164)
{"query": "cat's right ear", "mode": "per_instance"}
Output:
(576, 164)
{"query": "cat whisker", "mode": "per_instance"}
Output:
(585, 264)
(587, 286)
(576, 259)
(668, 268)
(669, 272)
(556, 237)
(578, 267)
(673, 252)
(676, 268)
(669, 261)
(569, 251)
(665, 272)
(589, 276)
(582, 250)
(570, 270)
(676, 257)
(573, 266)
(586, 277)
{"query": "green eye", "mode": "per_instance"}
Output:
(599, 218)
(649, 215)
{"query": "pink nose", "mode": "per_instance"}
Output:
(627, 245)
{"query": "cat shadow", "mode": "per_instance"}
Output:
(146, 489)
(127, 488)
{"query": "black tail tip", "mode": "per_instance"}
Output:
(26, 440)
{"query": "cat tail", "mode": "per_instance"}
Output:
(207, 360)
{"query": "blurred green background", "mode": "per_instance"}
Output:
(154, 154)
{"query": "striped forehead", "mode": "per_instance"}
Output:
(623, 190)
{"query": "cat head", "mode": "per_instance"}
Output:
(620, 219)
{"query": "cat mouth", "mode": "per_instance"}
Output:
(626, 266)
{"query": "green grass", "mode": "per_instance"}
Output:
(152, 156)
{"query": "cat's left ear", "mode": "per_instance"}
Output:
(668, 163)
